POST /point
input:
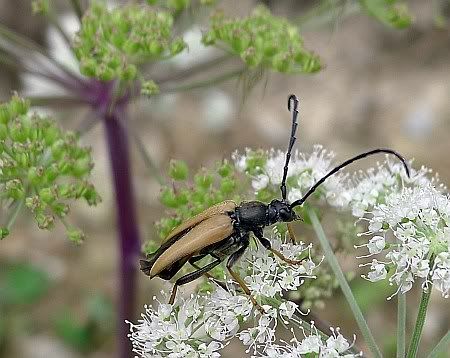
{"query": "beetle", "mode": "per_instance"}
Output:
(223, 230)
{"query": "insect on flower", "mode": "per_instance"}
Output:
(223, 230)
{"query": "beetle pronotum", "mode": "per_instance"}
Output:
(223, 230)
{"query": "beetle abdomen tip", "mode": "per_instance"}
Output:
(145, 266)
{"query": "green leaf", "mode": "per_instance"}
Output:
(23, 284)
(73, 333)
(101, 311)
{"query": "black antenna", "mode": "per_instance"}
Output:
(344, 164)
(291, 99)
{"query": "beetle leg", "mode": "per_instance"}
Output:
(291, 233)
(207, 274)
(231, 261)
(266, 243)
(191, 277)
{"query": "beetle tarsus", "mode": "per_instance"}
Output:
(285, 259)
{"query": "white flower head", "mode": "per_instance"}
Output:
(370, 187)
(304, 171)
(312, 343)
(417, 222)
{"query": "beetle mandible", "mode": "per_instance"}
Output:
(223, 230)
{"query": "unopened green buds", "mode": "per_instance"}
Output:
(393, 13)
(178, 170)
(149, 88)
(40, 165)
(111, 44)
(263, 40)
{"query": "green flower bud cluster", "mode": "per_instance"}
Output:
(149, 88)
(393, 13)
(42, 166)
(263, 40)
(112, 43)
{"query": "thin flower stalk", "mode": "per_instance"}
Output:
(401, 325)
(346, 290)
(420, 321)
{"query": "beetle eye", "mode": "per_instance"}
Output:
(284, 214)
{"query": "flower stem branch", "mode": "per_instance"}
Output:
(334, 264)
(149, 163)
(55, 22)
(441, 347)
(205, 83)
(401, 325)
(77, 8)
(420, 321)
(14, 214)
(30, 46)
(193, 70)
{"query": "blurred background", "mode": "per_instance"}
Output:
(380, 88)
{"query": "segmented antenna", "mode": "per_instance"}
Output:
(344, 164)
(291, 99)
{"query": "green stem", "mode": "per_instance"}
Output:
(420, 321)
(401, 325)
(205, 83)
(58, 101)
(14, 213)
(334, 264)
(440, 348)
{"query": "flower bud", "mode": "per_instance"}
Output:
(75, 235)
(149, 88)
(168, 198)
(4, 232)
(178, 170)
(177, 46)
(203, 180)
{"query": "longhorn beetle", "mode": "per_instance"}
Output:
(223, 230)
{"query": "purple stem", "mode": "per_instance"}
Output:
(118, 146)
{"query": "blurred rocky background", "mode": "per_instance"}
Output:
(380, 87)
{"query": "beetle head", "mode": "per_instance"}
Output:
(280, 211)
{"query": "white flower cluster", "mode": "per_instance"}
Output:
(304, 171)
(386, 197)
(203, 324)
(170, 332)
(268, 276)
(313, 344)
(411, 230)
(370, 187)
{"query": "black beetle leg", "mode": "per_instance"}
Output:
(266, 243)
(231, 261)
(207, 274)
(191, 277)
